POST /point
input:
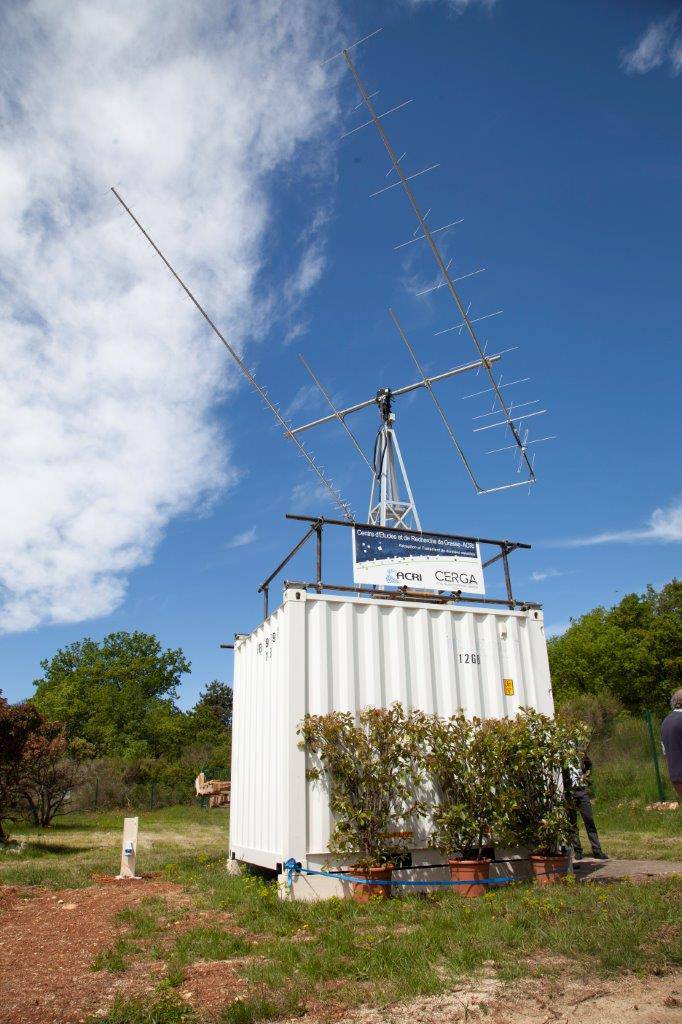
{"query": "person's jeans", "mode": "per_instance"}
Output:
(580, 801)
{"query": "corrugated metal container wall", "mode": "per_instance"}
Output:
(260, 691)
(332, 653)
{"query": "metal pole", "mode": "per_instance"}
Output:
(318, 531)
(265, 602)
(325, 521)
(507, 577)
(654, 755)
(342, 413)
(297, 547)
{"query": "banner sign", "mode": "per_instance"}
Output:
(413, 560)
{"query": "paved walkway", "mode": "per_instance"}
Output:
(606, 870)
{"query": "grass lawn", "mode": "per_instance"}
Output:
(76, 846)
(292, 957)
(624, 783)
(628, 830)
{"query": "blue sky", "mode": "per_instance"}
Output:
(147, 484)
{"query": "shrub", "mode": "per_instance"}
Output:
(539, 750)
(465, 761)
(50, 768)
(18, 725)
(491, 781)
(372, 770)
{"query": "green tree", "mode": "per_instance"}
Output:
(213, 709)
(632, 651)
(118, 694)
(210, 729)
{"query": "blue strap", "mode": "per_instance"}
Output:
(294, 866)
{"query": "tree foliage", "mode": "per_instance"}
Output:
(49, 770)
(632, 652)
(119, 697)
(18, 723)
(118, 694)
(37, 765)
(213, 709)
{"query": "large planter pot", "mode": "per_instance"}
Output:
(549, 870)
(364, 891)
(471, 871)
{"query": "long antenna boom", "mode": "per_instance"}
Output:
(426, 382)
(466, 322)
(340, 503)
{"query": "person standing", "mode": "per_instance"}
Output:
(671, 741)
(577, 793)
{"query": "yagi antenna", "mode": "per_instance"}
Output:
(339, 501)
(395, 392)
(467, 322)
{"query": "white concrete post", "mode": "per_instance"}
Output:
(129, 848)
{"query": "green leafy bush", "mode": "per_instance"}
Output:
(494, 781)
(372, 771)
(539, 750)
(465, 762)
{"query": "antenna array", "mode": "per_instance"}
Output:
(391, 499)
(445, 278)
(507, 415)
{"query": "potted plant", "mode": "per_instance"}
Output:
(464, 761)
(540, 748)
(370, 767)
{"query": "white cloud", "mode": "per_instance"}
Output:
(659, 44)
(305, 276)
(308, 496)
(664, 526)
(108, 379)
(307, 397)
(676, 56)
(549, 574)
(296, 330)
(456, 5)
(240, 540)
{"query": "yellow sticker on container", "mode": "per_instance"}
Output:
(509, 687)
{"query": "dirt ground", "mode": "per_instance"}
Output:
(630, 1000)
(48, 941)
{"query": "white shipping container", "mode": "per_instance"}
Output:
(321, 653)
